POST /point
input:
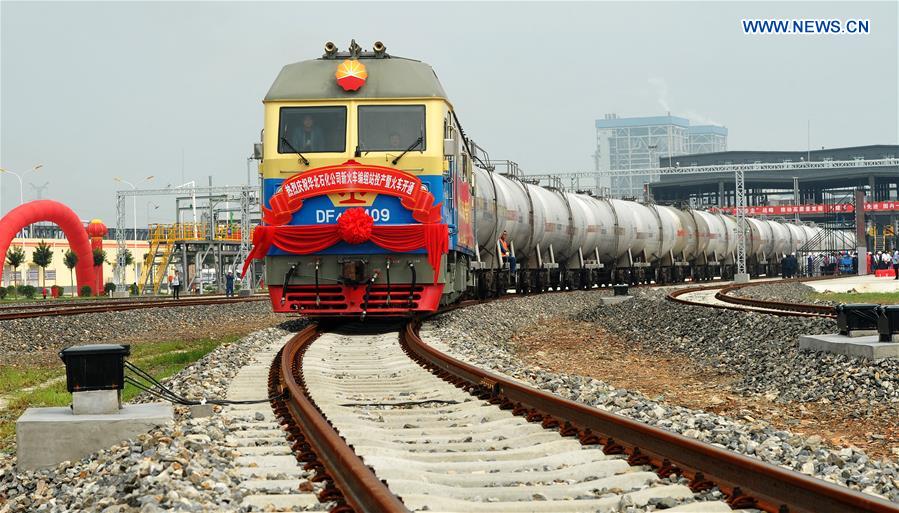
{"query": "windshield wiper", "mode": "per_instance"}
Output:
(418, 141)
(304, 159)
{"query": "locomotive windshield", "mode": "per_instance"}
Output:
(312, 129)
(391, 127)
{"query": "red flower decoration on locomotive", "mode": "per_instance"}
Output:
(354, 226)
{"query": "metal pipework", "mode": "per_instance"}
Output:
(379, 49)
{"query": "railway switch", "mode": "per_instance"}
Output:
(859, 319)
(888, 323)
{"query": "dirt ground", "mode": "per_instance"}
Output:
(579, 348)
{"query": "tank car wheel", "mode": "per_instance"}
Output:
(501, 284)
(482, 286)
(555, 282)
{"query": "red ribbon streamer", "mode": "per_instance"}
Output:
(304, 240)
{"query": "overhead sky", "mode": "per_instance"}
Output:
(98, 90)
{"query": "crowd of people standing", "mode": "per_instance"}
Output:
(842, 262)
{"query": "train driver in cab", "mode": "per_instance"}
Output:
(505, 252)
(310, 138)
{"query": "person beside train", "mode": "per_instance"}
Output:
(505, 253)
(229, 284)
(895, 261)
(176, 285)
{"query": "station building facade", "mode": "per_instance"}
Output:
(824, 195)
(57, 273)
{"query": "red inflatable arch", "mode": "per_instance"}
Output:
(54, 212)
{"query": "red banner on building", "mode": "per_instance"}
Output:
(781, 210)
(351, 176)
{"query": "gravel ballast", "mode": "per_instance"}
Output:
(38, 339)
(188, 466)
(787, 292)
(750, 345)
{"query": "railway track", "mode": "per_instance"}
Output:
(391, 423)
(719, 296)
(63, 309)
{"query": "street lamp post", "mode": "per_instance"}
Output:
(133, 187)
(18, 176)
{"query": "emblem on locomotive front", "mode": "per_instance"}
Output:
(351, 75)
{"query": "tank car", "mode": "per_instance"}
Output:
(376, 204)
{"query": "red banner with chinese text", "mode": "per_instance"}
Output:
(775, 210)
(349, 177)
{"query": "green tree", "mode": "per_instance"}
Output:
(127, 259)
(15, 256)
(71, 260)
(99, 257)
(42, 256)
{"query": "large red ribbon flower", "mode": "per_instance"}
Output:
(354, 226)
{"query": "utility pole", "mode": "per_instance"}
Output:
(796, 198)
(741, 275)
(39, 190)
(860, 235)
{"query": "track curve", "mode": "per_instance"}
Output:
(423, 433)
(718, 296)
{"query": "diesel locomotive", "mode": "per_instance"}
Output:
(375, 203)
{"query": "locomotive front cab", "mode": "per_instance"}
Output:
(355, 205)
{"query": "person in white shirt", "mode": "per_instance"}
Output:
(176, 285)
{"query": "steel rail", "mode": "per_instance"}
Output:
(357, 483)
(739, 303)
(118, 307)
(69, 303)
(817, 310)
(748, 482)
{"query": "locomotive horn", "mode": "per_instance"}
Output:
(330, 49)
(379, 48)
